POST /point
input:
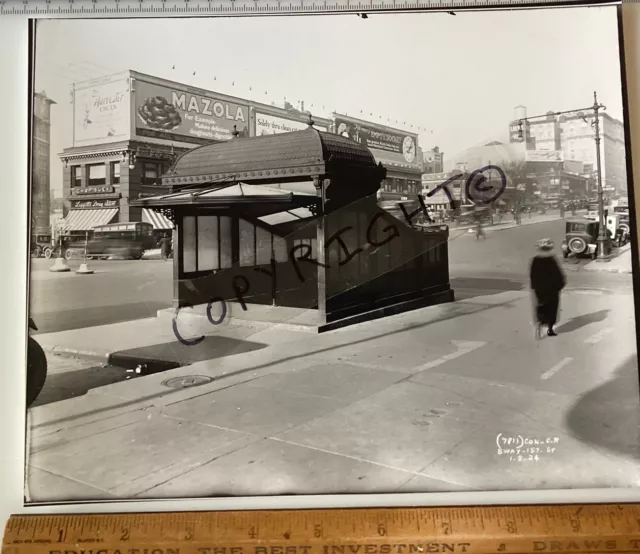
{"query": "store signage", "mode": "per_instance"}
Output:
(270, 125)
(176, 114)
(93, 190)
(101, 113)
(377, 139)
(515, 128)
(81, 204)
(544, 156)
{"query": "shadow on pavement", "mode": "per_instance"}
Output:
(577, 322)
(609, 415)
(471, 287)
(71, 384)
(454, 311)
(170, 355)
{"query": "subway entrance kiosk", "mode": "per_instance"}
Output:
(286, 228)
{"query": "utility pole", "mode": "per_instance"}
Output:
(602, 236)
(595, 108)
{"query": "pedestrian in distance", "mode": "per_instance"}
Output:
(480, 230)
(165, 247)
(547, 280)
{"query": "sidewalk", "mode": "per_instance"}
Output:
(621, 263)
(439, 399)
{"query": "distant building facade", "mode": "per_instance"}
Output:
(573, 138)
(40, 164)
(433, 161)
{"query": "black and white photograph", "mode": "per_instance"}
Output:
(330, 255)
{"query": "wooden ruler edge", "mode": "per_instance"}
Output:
(485, 525)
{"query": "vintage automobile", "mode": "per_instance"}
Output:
(41, 246)
(116, 240)
(581, 236)
(618, 229)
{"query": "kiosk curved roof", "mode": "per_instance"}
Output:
(267, 157)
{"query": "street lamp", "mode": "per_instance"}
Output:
(595, 108)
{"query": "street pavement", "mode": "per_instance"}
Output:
(452, 397)
(125, 290)
(118, 290)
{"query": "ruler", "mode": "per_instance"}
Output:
(586, 529)
(163, 8)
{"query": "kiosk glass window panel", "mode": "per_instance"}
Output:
(247, 248)
(263, 246)
(207, 242)
(280, 250)
(226, 258)
(189, 241)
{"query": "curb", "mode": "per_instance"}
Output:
(504, 227)
(609, 270)
(72, 352)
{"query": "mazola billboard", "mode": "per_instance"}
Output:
(179, 113)
(378, 138)
(101, 110)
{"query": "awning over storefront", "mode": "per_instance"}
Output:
(86, 220)
(156, 219)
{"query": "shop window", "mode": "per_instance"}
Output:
(150, 174)
(97, 175)
(115, 173)
(76, 176)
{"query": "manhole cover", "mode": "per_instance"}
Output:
(187, 381)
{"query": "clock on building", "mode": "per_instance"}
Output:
(409, 149)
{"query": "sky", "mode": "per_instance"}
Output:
(455, 80)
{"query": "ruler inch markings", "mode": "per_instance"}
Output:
(25, 7)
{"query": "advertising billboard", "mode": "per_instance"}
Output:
(396, 142)
(270, 125)
(544, 156)
(175, 113)
(101, 111)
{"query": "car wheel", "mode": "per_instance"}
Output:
(577, 245)
(36, 370)
(68, 254)
(48, 252)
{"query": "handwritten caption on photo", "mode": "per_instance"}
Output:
(520, 449)
(477, 191)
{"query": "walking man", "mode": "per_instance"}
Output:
(547, 280)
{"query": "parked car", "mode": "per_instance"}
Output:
(41, 246)
(581, 236)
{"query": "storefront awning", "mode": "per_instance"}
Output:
(86, 220)
(156, 219)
